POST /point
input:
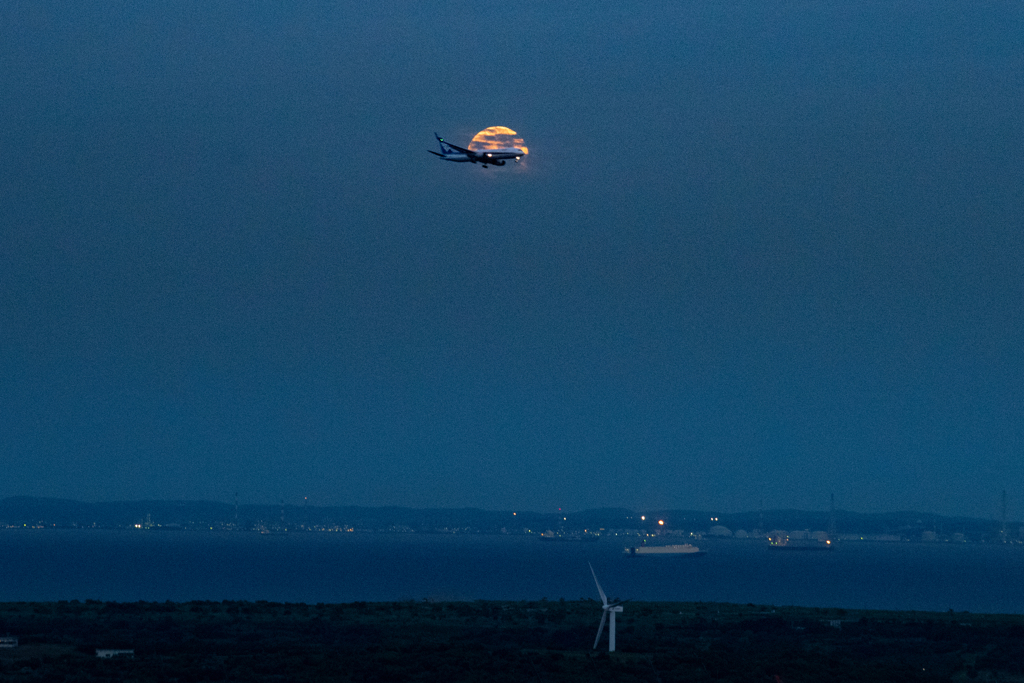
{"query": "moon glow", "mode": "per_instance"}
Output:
(497, 137)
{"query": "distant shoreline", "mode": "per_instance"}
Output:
(24, 512)
(601, 535)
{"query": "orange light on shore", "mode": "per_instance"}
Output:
(497, 137)
(661, 522)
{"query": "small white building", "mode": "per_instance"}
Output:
(110, 654)
(8, 641)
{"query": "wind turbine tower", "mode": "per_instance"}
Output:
(606, 609)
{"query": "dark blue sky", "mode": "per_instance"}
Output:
(759, 252)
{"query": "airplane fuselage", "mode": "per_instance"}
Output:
(494, 157)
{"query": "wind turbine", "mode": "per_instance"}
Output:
(606, 608)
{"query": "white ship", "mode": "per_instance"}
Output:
(684, 549)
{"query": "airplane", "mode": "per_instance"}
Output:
(495, 157)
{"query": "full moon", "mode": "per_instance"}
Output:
(497, 137)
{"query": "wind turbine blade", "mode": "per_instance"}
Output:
(600, 629)
(604, 600)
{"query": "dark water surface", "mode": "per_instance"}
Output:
(180, 566)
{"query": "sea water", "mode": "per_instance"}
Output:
(346, 567)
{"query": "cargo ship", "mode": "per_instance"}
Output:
(682, 550)
(783, 542)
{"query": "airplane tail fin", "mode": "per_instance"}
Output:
(445, 149)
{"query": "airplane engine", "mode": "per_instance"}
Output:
(499, 162)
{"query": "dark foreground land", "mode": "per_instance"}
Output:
(501, 641)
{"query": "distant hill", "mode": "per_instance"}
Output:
(52, 512)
